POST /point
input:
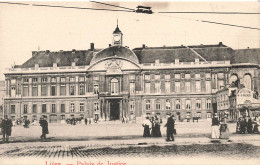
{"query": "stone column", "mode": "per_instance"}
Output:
(30, 87)
(77, 85)
(58, 86)
(121, 113)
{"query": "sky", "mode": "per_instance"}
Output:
(24, 29)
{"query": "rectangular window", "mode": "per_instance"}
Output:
(72, 89)
(62, 89)
(177, 76)
(132, 87)
(177, 86)
(44, 79)
(131, 77)
(157, 87)
(44, 90)
(208, 104)
(147, 77)
(96, 89)
(220, 84)
(168, 104)
(188, 104)
(53, 90)
(148, 105)
(72, 107)
(34, 108)
(25, 90)
(53, 79)
(81, 79)
(81, 107)
(25, 80)
(187, 76)
(197, 76)
(208, 86)
(167, 77)
(96, 106)
(62, 108)
(147, 87)
(62, 79)
(198, 87)
(43, 108)
(13, 91)
(208, 75)
(53, 108)
(178, 104)
(198, 104)
(132, 105)
(157, 77)
(157, 105)
(34, 80)
(72, 79)
(187, 86)
(25, 108)
(34, 90)
(13, 109)
(96, 78)
(167, 86)
(82, 89)
(221, 75)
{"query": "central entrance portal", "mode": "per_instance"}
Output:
(114, 110)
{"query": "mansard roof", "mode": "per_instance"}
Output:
(62, 58)
(247, 56)
(218, 52)
(144, 54)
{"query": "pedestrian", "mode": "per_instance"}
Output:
(215, 127)
(250, 125)
(170, 128)
(86, 121)
(44, 124)
(243, 125)
(6, 129)
(157, 130)
(147, 126)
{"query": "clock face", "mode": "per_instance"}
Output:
(117, 38)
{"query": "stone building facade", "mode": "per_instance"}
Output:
(117, 82)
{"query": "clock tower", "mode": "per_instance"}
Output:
(117, 37)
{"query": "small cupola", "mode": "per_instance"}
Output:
(117, 36)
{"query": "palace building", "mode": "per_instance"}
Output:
(117, 82)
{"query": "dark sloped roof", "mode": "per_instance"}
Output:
(118, 51)
(247, 56)
(169, 54)
(62, 58)
(117, 30)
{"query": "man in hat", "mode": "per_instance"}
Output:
(44, 125)
(215, 127)
(6, 129)
(170, 128)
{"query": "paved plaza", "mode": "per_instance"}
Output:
(124, 142)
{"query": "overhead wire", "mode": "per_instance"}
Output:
(132, 10)
(112, 5)
(196, 12)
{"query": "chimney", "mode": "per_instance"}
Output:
(143, 46)
(54, 65)
(109, 45)
(73, 50)
(220, 44)
(177, 61)
(91, 46)
(36, 66)
(47, 51)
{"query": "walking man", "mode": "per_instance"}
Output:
(170, 128)
(6, 129)
(44, 125)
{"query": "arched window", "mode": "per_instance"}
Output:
(247, 81)
(114, 86)
(233, 78)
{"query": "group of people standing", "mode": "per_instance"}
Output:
(247, 125)
(152, 127)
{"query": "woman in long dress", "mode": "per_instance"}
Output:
(147, 126)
